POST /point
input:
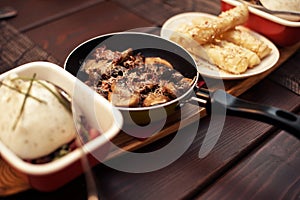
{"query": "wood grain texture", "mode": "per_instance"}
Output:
(289, 76)
(34, 13)
(158, 11)
(11, 181)
(271, 172)
(17, 49)
(190, 114)
(60, 39)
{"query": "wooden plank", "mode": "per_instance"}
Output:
(16, 49)
(190, 114)
(33, 13)
(11, 182)
(289, 76)
(60, 39)
(159, 11)
(271, 172)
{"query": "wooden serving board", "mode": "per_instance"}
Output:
(12, 182)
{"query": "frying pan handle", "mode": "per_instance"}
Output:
(236, 107)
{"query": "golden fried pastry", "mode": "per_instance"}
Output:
(209, 30)
(230, 57)
(252, 58)
(226, 55)
(220, 42)
(247, 40)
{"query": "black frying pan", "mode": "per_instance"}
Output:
(151, 45)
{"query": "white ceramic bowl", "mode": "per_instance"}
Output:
(99, 113)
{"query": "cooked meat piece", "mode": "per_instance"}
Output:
(103, 88)
(134, 61)
(122, 57)
(155, 98)
(170, 89)
(93, 67)
(122, 96)
(102, 53)
(184, 84)
(157, 61)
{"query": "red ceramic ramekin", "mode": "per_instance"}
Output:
(99, 113)
(280, 31)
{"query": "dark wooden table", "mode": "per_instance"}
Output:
(251, 160)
